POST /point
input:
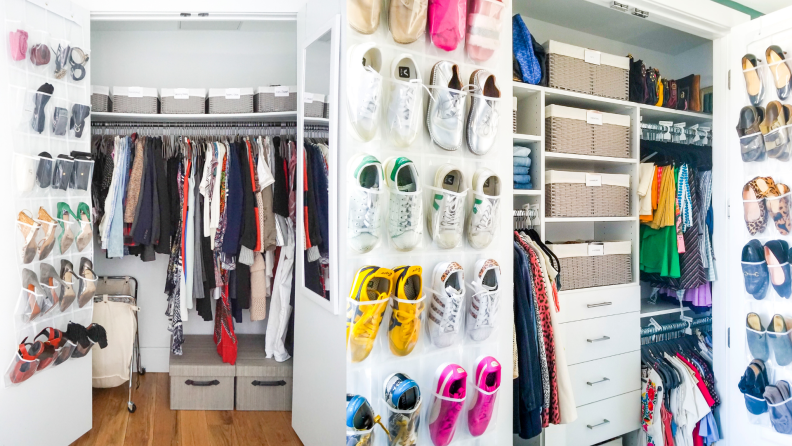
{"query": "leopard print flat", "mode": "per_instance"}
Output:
(778, 201)
(754, 205)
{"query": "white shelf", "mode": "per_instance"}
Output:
(591, 158)
(316, 120)
(652, 114)
(527, 138)
(233, 117)
(527, 193)
(660, 308)
(587, 219)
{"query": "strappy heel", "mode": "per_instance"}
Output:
(88, 280)
(86, 232)
(66, 236)
(48, 242)
(28, 226)
(67, 278)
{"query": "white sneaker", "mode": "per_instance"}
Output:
(485, 299)
(447, 214)
(445, 309)
(405, 211)
(482, 123)
(365, 189)
(482, 218)
(445, 116)
(404, 108)
(364, 90)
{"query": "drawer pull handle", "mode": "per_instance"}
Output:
(269, 383)
(604, 338)
(597, 425)
(597, 382)
(213, 382)
(601, 304)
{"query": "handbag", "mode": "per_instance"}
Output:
(690, 86)
(651, 86)
(660, 90)
(637, 81)
(666, 93)
(672, 94)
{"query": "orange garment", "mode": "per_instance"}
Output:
(653, 188)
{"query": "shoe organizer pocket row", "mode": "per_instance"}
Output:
(446, 221)
(37, 174)
(39, 352)
(594, 264)
(586, 194)
(587, 132)
(41, 112)
(45, 295)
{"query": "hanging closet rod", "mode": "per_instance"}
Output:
(194, 124)
(676, 130)
(675, 326)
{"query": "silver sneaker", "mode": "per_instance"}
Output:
(364, 225)
(444, 115)
(482, 123)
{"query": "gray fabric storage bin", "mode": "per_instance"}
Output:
(584, 269)
(261, 383)
(135, 100)
(568, 69)
(314, 105)
(568, 131)
(275, 99)
(230, 100)
(100, 99)
(183, 100)
(199, 379)
(568, 195)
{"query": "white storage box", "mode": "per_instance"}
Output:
(230, 100)
(586, 194)
(275, 99)
(587, 132)
(587, 71)
(100, 99)
(592, 264)
(183, 100)
(135, 100)
(314, 105)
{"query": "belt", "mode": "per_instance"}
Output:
(40, 54)
(78, 68)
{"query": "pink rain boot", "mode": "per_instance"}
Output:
(447, 22)
(447, 404)
(488, 379)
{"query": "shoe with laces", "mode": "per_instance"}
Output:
(482, 217)
(403, 398)
(365, 191)
(447, 214)
(445, 308)
(482, 123)
(405, 208)
(451, 383)
(488, 380)
(445, 113)
(364, 91)
(404, 108)
(405, 321)
(484, 302)
(360, 420)
(372, 284)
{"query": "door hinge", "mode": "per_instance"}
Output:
(728, 208)
(729, 80)
(728, 337)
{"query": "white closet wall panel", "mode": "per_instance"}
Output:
(210, 6)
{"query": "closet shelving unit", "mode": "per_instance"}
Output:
(230, 117)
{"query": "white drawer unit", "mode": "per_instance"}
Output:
(590, 303)
(601, 337)
(605, 419)
(605, 378)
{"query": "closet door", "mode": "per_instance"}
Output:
(730, 151)
(53, 406)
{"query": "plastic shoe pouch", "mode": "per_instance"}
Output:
(778, 209)
(446, 224)
(442, 419)
(484, 220)
(61, 51)
(27, 243)
(752, 148)
(64, 352)
(364, 115)
(482, 410)
(31, 305)
(404, 333)
(407, 20)
(86, 291)
(81, 350)
(446, 21)
(17, 41)
(486, 303)
(404, 111)
(20, 370)
(781, 416)
(63, 170)
(77, 122)
(359, 437)
(777, 143)
(781, 345)
(755, 84)
(405, 219)
(364, 226)
(77, 61)
(403, 425)
(44, 170)
(60, 120)
(40, 54)
(82, 173)
(445, 117)
(38, 104)
(363, 324)
(755, 406)
(483, 29)
(364, 15)
(25, 167)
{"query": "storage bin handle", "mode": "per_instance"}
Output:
(213, 382)
(604, 338)
(597, 425)
(601, 304)
(269, 383)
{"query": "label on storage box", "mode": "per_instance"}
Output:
(593, 179)
(596, 250)
(135, 92)
(281, 91)
(181, 93)
(593, 117)
(309, 98)
(592, 57)
(232, 93)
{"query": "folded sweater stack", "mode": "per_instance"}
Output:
(522, 168)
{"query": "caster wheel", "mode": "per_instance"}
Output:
(131, 407)
(142, 371)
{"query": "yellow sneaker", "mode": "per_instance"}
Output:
(372, 284)
(405, 322)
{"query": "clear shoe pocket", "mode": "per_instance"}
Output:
(483, 29)
(407, 20)
(406, 323)
(778, 208)
(78, 121)
(364, 225)
(38, 107)
(781, 345)
(64, 352)
(752, 148)
(449, 413)
(482, 410)
(755, 84)
(18, 41)
(61, 50)
(405, 220)
(365, 114)
(781, 416)
(484, 220)
(40, 54)
(25, 167)
(363, 324)
(404, 111)
(59, 124)
(485, 308)
(63, 172)
(82, 350)
(448, 216)
(360, 437)
(777, 143)
(755, 406)
(403, 425)
(82, 172)
(20, 370)
(44, 170)
(32, 305)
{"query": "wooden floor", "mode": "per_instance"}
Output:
(154, 424)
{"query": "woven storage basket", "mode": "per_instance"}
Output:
(568, 70)
(135, 100)
(275, 99)
(567, 195)
(584, 267)
(568, 131)
(230, 100)
(100, 99)
(183, 100)
(314, 108)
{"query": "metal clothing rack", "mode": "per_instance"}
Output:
(700, 136)
(675, 326)
(197, 128)
(523, 218)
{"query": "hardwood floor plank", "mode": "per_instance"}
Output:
(140, 428)
(278, 429)
(221, 428)
(166, 423)
(249, 430)
(113, 420)
(193, 428)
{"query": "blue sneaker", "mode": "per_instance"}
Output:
(404, 415)
(401, 392)
(359, 420)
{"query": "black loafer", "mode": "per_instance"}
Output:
(754, 267)
(775, 253)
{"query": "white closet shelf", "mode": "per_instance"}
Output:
(529, 193)
(660, 308)
(587, 219)
(316, 120)
(232, 117)
(652, 114)
(589, 158)
(527, 138)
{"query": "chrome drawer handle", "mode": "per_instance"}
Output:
(601, 304)
(213, 382)
(597, 382)
(269, 383)
(604, 338)
(597, 425)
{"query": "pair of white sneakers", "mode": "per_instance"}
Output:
(405, 212)
(447, 301)
(364, 95)
(446, 218)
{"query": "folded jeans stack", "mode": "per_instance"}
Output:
(522, 168)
